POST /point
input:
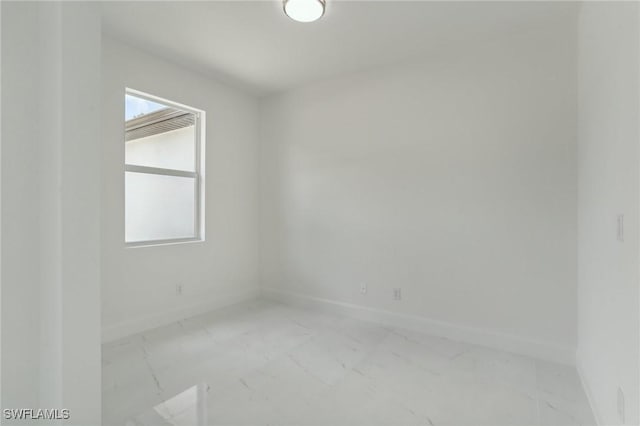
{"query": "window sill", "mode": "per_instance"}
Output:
(156, 243)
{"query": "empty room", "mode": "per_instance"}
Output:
(320, 213)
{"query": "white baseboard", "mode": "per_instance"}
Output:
(137, 325)
(588, 391)
(506, 342)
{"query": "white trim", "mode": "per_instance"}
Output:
(200, 167)
(137, 325)
(155, 243)
(502, 341)
(588, 391)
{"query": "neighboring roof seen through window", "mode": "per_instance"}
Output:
(162, 121)
(137, 107)
(145, 118)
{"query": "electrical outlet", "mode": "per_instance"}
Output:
(179, 289)
(397, 294)
(621, 413)
(363, 288)
(620, 232)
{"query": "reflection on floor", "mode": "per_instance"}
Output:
(186, 408)
(263, 363)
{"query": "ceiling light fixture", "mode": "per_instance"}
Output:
(304, 10)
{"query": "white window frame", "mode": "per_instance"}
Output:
(197, 175)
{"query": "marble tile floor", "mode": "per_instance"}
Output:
(263, 363)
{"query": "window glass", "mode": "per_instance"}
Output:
(135, 106)
(163, 187)
(159, 207)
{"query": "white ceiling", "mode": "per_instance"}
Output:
(252, 44)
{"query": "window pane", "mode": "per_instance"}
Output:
(137, 107)
(170, 150)
(159, 207)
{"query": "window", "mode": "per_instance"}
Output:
(163, 171)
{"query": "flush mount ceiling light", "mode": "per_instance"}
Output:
(304, 10)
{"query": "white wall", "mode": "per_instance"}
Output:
(608, 322)
(175, 149)
(80, 211)
(453, 178)
(139, 284)
(20, 205)
(51, 208)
